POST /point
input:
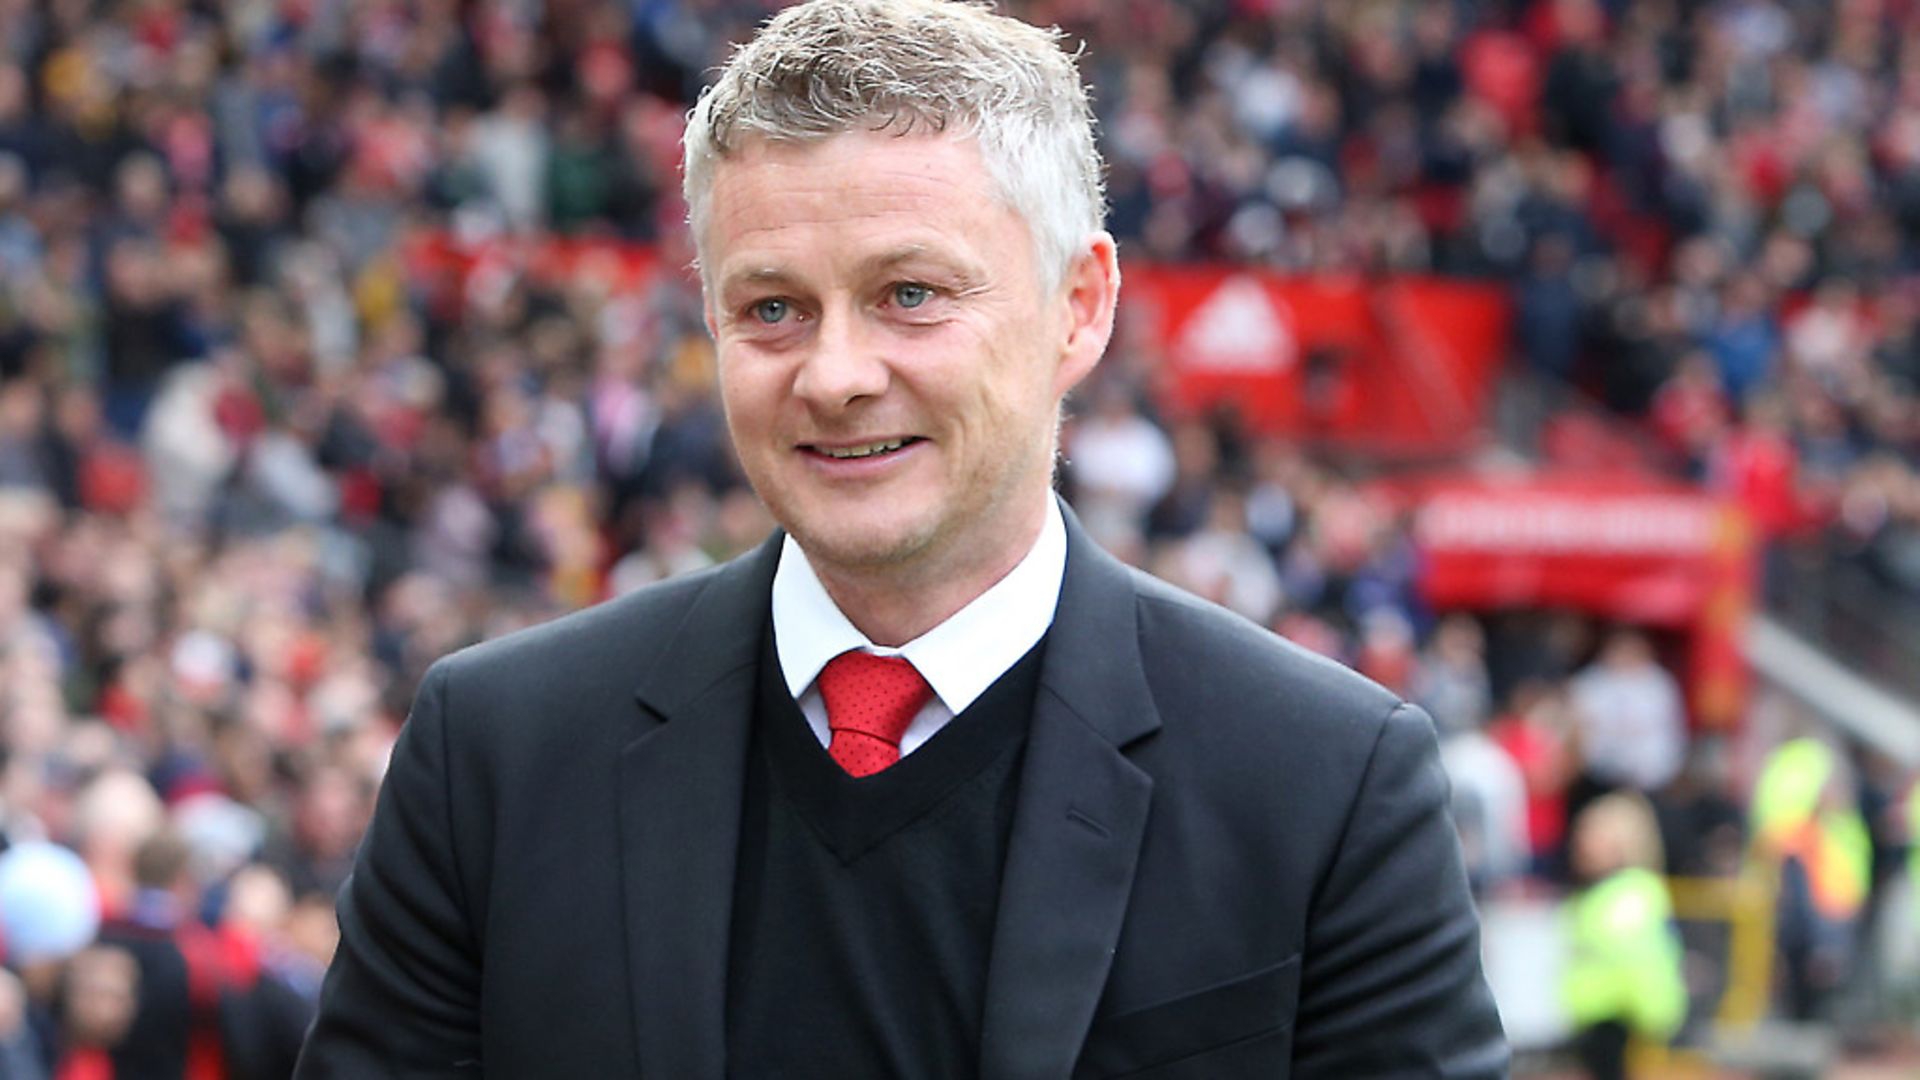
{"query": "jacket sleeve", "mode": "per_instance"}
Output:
(401, 998)
(1391, 984)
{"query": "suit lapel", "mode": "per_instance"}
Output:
(680, 798)
(1077, 830)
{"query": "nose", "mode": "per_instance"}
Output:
(842, 364)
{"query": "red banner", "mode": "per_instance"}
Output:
(1629, 556)
(1396, 366)
(1632, 550)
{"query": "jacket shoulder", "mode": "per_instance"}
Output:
(580, 648)
(1188, 643)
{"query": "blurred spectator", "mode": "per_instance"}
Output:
(1121, 464)
(1489, 809)
(330, 811)
(1547, 311)
(1632, 722)
(1758, 465)
(1745, 340)
(1691, 414)
(1536, 731)
(99, 1003)
(113, 816)
(1702, 825)
(1623, 980)
(1452, 682)
(1187, 500)
(1221, 562)
(20, 1055)
(1807, 831)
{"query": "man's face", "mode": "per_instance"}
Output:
(890, 364)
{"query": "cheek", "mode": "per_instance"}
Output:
(1019, 395)
(749, 395)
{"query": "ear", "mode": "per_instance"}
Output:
(1087, 298)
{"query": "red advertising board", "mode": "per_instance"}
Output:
(1397, 366)
(1634, 550)
(1632, 555)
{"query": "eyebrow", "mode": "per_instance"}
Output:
(872, 266)
(758, 275)
(906, 253)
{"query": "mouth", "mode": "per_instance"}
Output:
(861, 451)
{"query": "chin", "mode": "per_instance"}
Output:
(865, 545)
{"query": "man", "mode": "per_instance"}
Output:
(930, 785)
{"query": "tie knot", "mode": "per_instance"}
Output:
(876, 696)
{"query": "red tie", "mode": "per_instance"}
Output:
(870, 701)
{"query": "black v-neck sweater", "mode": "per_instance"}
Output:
(863, 908)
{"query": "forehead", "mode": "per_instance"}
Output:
(790, 199)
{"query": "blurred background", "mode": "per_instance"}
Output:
(1555, 363)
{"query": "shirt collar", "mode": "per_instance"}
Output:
(959, 658)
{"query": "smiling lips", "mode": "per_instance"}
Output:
(862, 450)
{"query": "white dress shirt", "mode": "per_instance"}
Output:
(959, 658)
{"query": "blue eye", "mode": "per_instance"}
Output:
(769, 311)
(910, 295)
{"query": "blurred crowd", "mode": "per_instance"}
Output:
(257, 469)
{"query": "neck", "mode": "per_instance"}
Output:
(894, 604)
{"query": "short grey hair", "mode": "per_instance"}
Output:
(830, 66)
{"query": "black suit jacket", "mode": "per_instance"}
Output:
(1230, 857)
